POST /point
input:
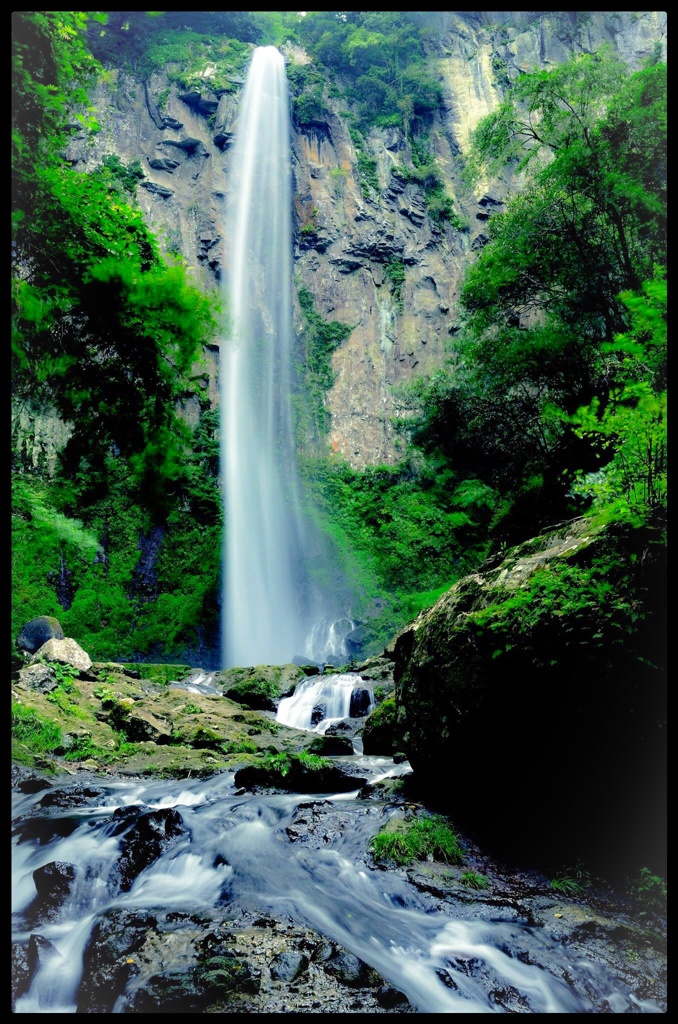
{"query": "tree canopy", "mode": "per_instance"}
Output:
(572, 266)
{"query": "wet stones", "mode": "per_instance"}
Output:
(361, 700)
(351, 970)
(151, 834)
(331, 746)
(299, 778)
(288, 966)
(108, 963)
(54, 883)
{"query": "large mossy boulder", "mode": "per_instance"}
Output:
(37, 632)
(379, 731)
(531, 697)
(260, 687)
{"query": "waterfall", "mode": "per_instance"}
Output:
(267, 608)
(320, 701)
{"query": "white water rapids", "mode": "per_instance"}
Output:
(320, 701)
(235, 853)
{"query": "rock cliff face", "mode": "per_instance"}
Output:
(344, 238)
(539, 682)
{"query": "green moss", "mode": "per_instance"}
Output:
(320, 339)
(256, 693)
(395, 273)
(162, 673)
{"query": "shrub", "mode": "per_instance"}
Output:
(475, 880)
(419, 839)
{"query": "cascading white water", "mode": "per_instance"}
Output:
(321, 700)
(266, 613)
(327, 640)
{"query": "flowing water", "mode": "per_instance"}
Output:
(267, 604)
(234, 852)
(320, 701)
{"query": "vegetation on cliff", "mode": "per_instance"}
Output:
(553, 403)
(108, 334)
(555, 392)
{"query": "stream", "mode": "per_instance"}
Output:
(269, 864)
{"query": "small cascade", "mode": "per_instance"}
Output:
(326, 643)
(322, 700)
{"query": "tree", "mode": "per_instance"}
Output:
(590, 223)
(550, 296)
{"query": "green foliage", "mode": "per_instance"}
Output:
(417, 840)
(82, 749)
(65, 695)
(381, 58)
(146, 42)
(474, 880)
(282, 763)
(395, 274)
(51, 68)
(592, 221)
(104, 334)
(128, 175)
(572, 881)
(649, 893)
(311, 762)
(320, 339)
(566, 886)
(404, 520)
(307, 86)
(554, 393)
(366, 165)
(33, 730)
(425, 173)
(239, 747)
(630, 426)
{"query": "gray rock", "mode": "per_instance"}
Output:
(37, 632)
(38, 677)
(163, 164)
(288, 966)
(66, 652)
(157, 190)
(53, 883)
(352, 971)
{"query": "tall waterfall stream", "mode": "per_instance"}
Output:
(269, 602)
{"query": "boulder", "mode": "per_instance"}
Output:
(53, 883)
(540, 681)
(107, 959)
(64, 651)
(361, 700)
(331, 746)
(38, 677)
(151, 833)
(380, 729)
(37, 632)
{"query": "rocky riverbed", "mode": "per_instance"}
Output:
(200, 896)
